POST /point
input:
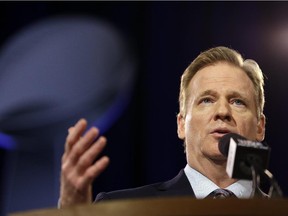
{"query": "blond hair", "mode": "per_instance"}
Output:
(223, 54)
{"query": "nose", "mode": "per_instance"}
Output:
(223, 111)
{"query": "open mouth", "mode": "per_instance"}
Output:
(220, 132)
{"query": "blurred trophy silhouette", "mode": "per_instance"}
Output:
(52, 73)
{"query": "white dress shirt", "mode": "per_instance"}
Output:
(202, 186)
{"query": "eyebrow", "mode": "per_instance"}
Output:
(230, 94)
(208, 92)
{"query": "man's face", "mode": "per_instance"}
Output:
(221, 100)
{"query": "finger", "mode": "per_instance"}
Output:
(83, 144)
(75, 170)
(91, 154)
(75, 133)
(70, 130)
(95, 170)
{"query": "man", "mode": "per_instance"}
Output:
(219, 93)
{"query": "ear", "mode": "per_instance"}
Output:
(180, 126)
(261, 128)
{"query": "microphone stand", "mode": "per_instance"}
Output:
(274, 189)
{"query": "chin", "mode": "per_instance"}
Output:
(220, 157)
(217, 157)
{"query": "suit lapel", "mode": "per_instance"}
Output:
(178, 186)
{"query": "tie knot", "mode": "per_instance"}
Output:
(221, 194)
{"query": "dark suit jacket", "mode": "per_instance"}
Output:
(178, 186)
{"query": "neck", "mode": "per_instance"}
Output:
(215, 170)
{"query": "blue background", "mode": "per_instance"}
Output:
(166, 37)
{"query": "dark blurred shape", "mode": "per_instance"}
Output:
(7, 142)
(51, 74)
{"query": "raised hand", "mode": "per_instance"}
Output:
(79, 167)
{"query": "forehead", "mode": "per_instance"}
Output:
(222, 77)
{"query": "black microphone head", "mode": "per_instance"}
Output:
(224, 142)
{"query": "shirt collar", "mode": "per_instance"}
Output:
(202, 186)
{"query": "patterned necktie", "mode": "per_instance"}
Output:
(221, 194)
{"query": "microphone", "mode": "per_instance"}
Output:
(243, 155)
(248, 159)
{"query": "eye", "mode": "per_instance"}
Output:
(206, 100)
(238, 102)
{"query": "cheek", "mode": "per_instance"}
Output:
(197, 121)
(189, 124)
(194, 128)
(248, 128)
